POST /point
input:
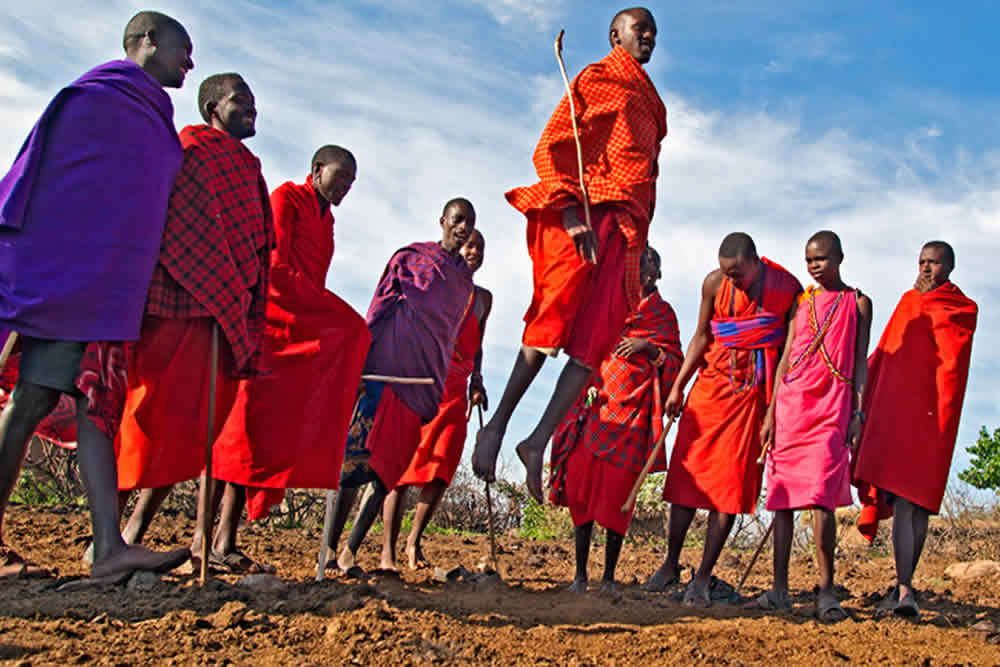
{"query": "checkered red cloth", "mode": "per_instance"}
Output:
(215, 256)
(622, 122)
(621, 424)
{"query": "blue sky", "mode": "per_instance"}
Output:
(876, 120)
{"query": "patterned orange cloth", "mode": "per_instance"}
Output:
(622, 122)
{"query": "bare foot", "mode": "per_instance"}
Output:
(609, 588)
(484, 456)
(578, 586)
(88, 554)
(662, 579)
(532, 459)
(387, 563)
(134, 558)
(346, 560)
(415, 556)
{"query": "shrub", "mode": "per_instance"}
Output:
(984, 470)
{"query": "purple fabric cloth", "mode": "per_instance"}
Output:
(414, 319)
(82, 209)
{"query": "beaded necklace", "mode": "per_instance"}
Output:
(816, 343)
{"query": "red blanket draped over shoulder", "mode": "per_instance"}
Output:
(714, 461)
(213, 268)
(916, 384)
(622, 122)
(602, 445)
(288, 429)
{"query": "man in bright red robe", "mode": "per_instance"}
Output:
(585, 276)
(286, 429)
(745, 308)
(916, 385)
(600, 449)
(210, 281)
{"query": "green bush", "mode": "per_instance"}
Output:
(984, 470)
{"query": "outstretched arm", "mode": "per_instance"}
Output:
(860, 376)
(699, 343)
(477, 390)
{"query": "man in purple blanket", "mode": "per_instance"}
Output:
(81, 217)
(414, 319)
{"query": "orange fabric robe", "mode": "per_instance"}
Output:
(622, 123)
(288, 429)
(916, 384)
(714, 461)
(443, 438)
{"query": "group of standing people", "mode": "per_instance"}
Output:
(219, 295)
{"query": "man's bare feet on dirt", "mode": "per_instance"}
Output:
(415, 557)
(533, 459)
(662, 579)
(484, 456)
(346, 560)
(387, 563)
(578, 586)
(135, 558)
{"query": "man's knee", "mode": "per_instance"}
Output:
(32, 402)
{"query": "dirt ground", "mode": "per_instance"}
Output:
(528, 618)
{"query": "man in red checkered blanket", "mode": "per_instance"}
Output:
(586, 276)
(212, 273)
(601, 447)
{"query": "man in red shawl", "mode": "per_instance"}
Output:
(82, 212)
(443, 438)
(601, 447)
(211, 280)
(286, 428)
(414, 318)
(586, 278)
(916, 384)
(745, 310)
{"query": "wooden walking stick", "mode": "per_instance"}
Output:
(576, 136)
(207, 506)
(489, 507)
(756, 555)
(649, 465)
(8, 347)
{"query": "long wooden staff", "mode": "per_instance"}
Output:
(8, 347)
(324, 547)
(489, 507)
(207, 506)
(576, 136)
(649, 465)
(756, 555)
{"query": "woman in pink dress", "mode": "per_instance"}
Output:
(815, 419)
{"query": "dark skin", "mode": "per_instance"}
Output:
(165, 54)
(234, 113)
(457, 224)
(431, 494)
(823, 262)
(910, 521)
(332, 181)
(747, 275)
(649, 273)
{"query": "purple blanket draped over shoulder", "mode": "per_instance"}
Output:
(82, 209)
(414, 318)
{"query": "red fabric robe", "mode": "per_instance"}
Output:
(916, 384)
(714, 461)
(622, 122)
(288, 429)
(600, 448)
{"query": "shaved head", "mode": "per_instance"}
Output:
(619, 19)
(738, 244)
(458, 201)
(213, 89)
(948, 253)
(634, 30)
(826, 236)
(143, 23)
(331, 153)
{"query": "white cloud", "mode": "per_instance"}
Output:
(540, 12)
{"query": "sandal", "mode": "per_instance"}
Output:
(14, 566)
(768, 601)
(907, 607)
(237, 562)
(828, 610)
(695, 597)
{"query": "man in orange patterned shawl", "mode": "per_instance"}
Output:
(586, 276)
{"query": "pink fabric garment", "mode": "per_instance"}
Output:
(809, 463)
